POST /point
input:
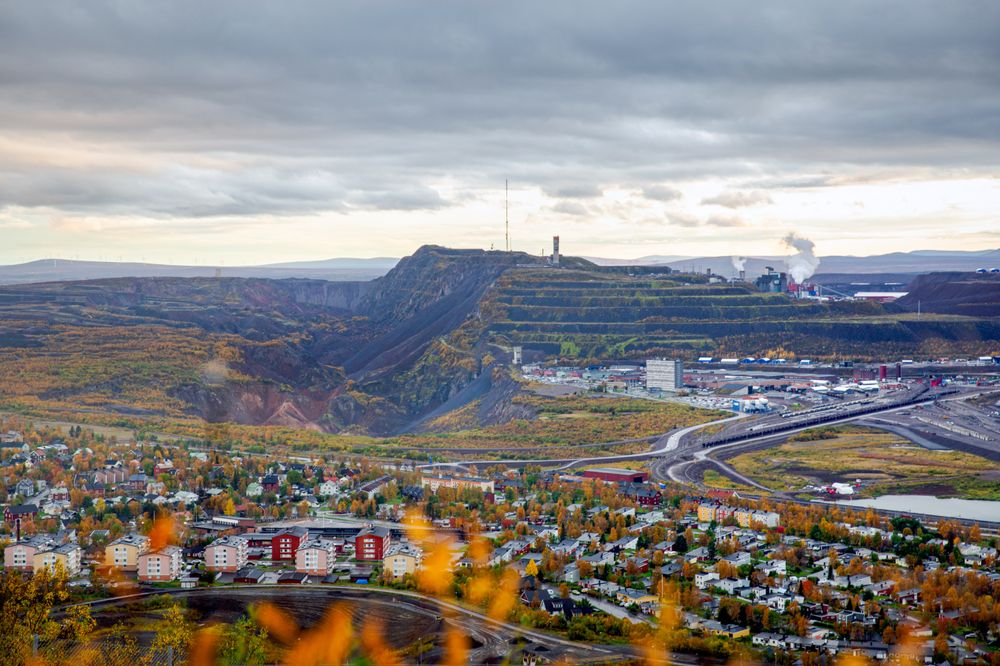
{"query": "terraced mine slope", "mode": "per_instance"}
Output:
(402, 352)
(587, 314)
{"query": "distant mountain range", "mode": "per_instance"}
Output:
(346, 268)
(916, 262)
(59, 270)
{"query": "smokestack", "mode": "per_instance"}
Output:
(740, 264)
(743, 275)
(804, 262)
(555, 250)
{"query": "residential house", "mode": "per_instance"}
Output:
(643, 495)
(24, 512)
(372, 487)
(271, 483)
(629, 596)
(705, 579)
(738, 559)
(730, 585)
(625, 543)
(110, 475)
(715, 628)
(571, 573)
(138, 481)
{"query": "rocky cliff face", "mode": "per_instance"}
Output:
(426, 296)
(434, 275)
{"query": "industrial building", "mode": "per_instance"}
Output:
(772, 282)
(615, 475)
(664, 374)
(879, 296)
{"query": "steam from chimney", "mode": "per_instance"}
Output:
(804, 262)
(739, 263)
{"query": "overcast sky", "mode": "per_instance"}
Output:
(251, 132)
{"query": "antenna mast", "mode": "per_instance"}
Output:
(506, 216)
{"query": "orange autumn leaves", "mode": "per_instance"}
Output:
(335, 639)
(164, 532)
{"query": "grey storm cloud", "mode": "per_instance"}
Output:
(241, 108)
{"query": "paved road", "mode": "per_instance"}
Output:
(666, 443)
(680, 470)
(613, 609)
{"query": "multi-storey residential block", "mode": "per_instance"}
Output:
(371, 543)
(315, 557)
(21, 555)
(66, 556)
(286, 543)
(401, 559)
(160, 565)
(458, 482)
(228, 554)
(123, 553)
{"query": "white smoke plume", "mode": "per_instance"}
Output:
(804, 262)
(739, 263)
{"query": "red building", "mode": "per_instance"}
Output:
(286, 543)
(615, 475)
(26, 512)
(371, 543)
(643, 495)
(270, 483)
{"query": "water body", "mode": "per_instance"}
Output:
(935, 506)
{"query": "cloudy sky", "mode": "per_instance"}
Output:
(249, 132)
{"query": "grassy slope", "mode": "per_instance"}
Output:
(106, 367)
(886, 462)
(570, 421)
